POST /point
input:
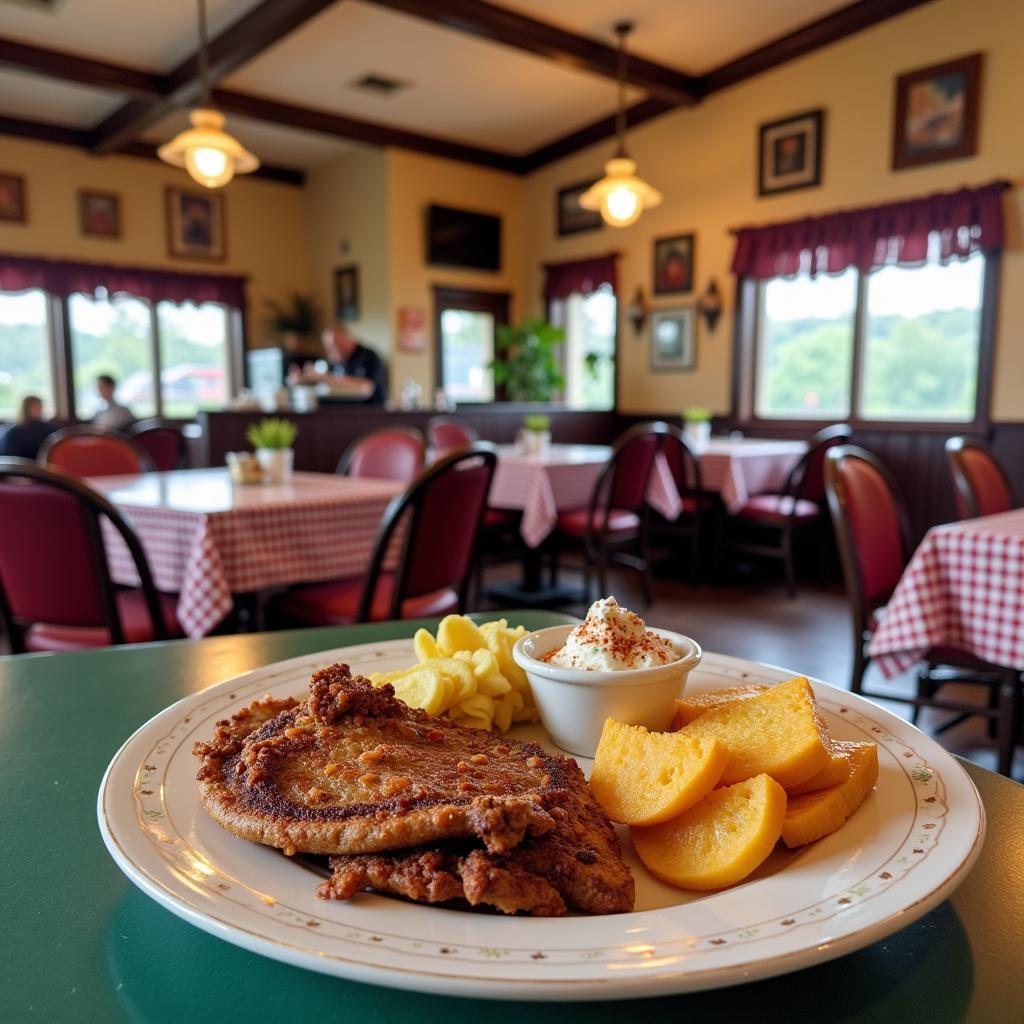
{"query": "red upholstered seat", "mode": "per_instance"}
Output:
(392, 453)
(162, 442)
(774, 508)
(87, 451)
(495, 518)
(336, 603)
(138, 629)
(620, 521)
(446, 433)
(981, 485)
(692, 503)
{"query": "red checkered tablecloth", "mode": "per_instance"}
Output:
(964, 588)
(563, 478)
(739, 468)
(207, 539)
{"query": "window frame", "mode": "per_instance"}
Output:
(498, 304)
(747, 323)
(548, 312)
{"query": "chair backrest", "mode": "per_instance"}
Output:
(981, 485)
(163, 442)
(446, 433)
(53, 563)
(807, 478)
(682, 462)
(89, 451)
(870, 526)
(391, 453)
(440, 512)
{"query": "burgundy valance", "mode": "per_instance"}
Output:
(562, 279)
(958, 223)
(64, 277)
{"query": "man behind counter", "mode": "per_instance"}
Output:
(347, 356)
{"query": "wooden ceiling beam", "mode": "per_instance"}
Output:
(81, 70)
(310, 119)
(489, 21)
(247, 37)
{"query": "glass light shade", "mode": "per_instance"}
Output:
(209, 154)
(620, 195)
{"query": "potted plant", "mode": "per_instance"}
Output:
(526, 365)
(295, 321)
(536, 434)
(697, 426)
(273, 438)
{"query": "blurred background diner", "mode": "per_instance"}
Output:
(715, 310)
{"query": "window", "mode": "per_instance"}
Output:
(25, 363)
(194, 357)
(588, 356)
(466, 325)
(902, 343)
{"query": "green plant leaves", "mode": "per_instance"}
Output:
(272, 433)
(526, 366)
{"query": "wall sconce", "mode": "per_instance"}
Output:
(710, 305)
(636, 311)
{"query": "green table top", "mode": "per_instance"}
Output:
(80, 943)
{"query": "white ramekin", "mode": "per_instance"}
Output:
(574, 703)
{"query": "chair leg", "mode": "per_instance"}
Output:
(787, 558)
(648, 573)
(695, 549)
(860, 665)
(925, 688)
(1008, 691)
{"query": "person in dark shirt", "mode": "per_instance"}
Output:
(347, 356)
(24, 439)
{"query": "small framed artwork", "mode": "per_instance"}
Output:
(937, 113)
(673, 265)
(789, 153)
(412, 329)
(99, 214)
(195, 224)
(570, 217)
(346, 293)
(12, 199)
(674, 339)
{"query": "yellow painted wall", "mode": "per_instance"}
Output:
(265, 220)
(414, 182)
(704, 161)
(346, 223)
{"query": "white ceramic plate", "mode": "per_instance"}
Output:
(901, 854)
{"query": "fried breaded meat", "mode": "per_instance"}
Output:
(414, 804)
(354, 770)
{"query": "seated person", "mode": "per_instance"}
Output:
(24, 439)
(113, 415)
(358, 370)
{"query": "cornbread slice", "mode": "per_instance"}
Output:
(776, 733)
(689, 708)
(720, 840)
(837, 770)
(813, 815)
(642, 778)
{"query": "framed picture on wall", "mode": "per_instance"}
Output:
(99, 214)
(570, 217)
(936, 114)
(673, 265)
(674, 339)
(346, 293)
(195, 224)
(789, 153)
(412, 329)
(12, 199)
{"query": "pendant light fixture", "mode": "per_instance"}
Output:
(620, 195)
(211, 156)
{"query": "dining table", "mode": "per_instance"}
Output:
(737, 468)
(963, 589)
(213, 541)
(81, 943)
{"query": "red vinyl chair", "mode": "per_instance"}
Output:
(88, 451)
(391, 453)
(55, 588)
(981, 485)
(163, 442)
(615, 525)
(779, 518)
(872, 533)
(697, 504)
(446, 433)
(440, 514)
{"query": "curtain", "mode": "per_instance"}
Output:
(960, 223)
(585, 276)
(63, 277)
